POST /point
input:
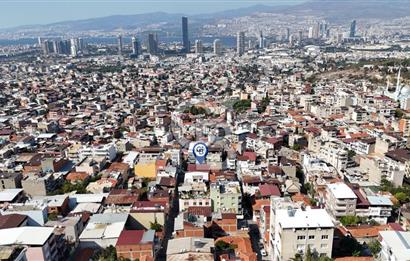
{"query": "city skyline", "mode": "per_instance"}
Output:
(36, 12)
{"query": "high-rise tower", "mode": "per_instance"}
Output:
(261, 40)
(119, 44)
(199, 48)
(135, 46)
(152, 44)
(240, 43)
(185, 38)
(217, 47)
(353, 29)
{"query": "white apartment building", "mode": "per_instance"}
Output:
(395, 246)
(296, 230)
(108, 151)
(340, 200)
(334, 154)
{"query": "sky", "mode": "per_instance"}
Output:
(29, 12)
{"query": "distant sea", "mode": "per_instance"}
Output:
(227, 41)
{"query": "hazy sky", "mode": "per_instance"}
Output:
(23, 12)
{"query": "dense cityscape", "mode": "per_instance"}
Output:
(261, 137)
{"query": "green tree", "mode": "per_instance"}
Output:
(348, 246)
(398, 113)
(374, 247)
(351, 220)
(351, 154)
(309, 255)
(155, 226)
(296, 147)
(222, 246)
(298, 257)
(263, 105)
(53, 216)
(401, 196)
(106, 254)
(324, 258)
(242, 105)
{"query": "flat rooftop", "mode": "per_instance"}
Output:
(308, 218)
(341, 191)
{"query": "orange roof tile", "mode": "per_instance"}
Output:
(75, 176)
(244, 247)
(367, 231)
(259, 203)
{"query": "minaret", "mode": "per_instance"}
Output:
(364, 86)
(387, 86)
(398, 88)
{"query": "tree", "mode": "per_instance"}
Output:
(351, 154)
(398, 113)
(155, 226)
(296, 147)
(223, 246)
(309, 255)
(263, 105)
(349, 246)
(242, 105)
(374, 247)
(194, 110)
(401, 196)
(53, 216)
(298, 257)
(351, 220)
(106, 254)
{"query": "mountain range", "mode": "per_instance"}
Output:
(332, 10)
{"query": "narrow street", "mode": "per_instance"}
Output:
(161, 254)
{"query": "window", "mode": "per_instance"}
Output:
(301, 237)
(325, 237)
(323, 246)
(311, 237)
(300, 247)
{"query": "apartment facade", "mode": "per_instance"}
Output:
(298, 230)
(340, 200)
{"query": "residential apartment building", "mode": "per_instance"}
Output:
(340, 200)
(108, 151)
(41, 243)
(334, 154)
(300, 229)
(226, 196)
(395, 245)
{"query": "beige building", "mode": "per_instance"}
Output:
(340, 200)
(334, 154)
(300, 229)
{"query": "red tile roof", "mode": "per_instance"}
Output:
(130, 237)
(250, 155)
(269, 190)
(11, 221)
(75, 176)
(200, 211)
